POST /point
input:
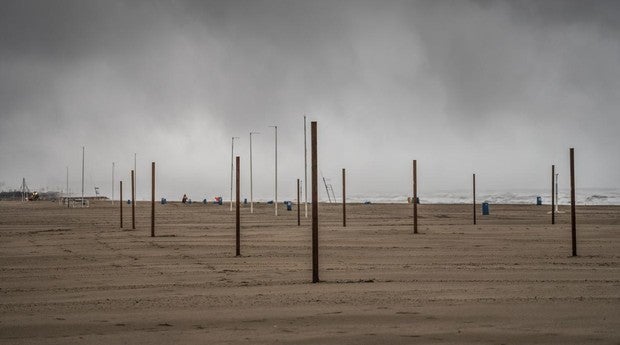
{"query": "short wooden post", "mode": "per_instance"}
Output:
(474, 200)
(344, 199)
(238, 216)
(572, 201)
(553, 201)
(152, 199)
(121, 203)
(315, 205)
(133, 201)
(415, 196)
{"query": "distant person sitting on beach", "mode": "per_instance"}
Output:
(184, 200)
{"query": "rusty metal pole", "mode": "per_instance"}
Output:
(415, 196)
(133, 201)
(474, 194)
(298, 206)
(315, 206)
(237, 216)
(344, 199)
(121, 202)
(553, 201)
(572, 201)
(152, 199)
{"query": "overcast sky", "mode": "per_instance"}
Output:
(500, 88)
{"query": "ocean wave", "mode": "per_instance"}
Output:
(583, 197)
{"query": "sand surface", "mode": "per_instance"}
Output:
(71, 276)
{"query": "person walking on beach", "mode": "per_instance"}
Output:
(184, 200)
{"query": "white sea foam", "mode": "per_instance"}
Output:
(583, 197)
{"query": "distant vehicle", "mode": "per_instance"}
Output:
(33, 197)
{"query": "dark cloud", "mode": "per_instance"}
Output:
(460, 85)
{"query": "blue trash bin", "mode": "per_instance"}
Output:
(538, 200)
(485, 208)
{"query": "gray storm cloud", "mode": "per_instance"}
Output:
(499, 88)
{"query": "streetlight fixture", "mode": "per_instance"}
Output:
(251, 188)
(305, 169)
(232, 157)
(112, 183)
(276, 170)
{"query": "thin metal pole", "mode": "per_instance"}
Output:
(474, 194)
(112, 183)
(121, 202)
(276, 170)
(344, 199)
(557, 196)
(152, 199)
(305, 168)
(135, 173)
(251, 181)
(67, 197)
(553, 194)
(82, 176)
(315, 205)
(133, 200)
(415, 196)
(572, 201)
(298, 206)
(238, 216)
(232, 150)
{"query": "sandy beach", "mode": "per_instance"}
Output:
(73, 276)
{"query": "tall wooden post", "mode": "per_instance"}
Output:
(572, 201)
(344, 199)
(152, 199)
(298, 206)
(474, 194)
(315, 205)
(121, 202)
(133, 201)
(553, 201)
(415, 196)
(238, 216)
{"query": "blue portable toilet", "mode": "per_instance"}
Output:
(538, 200)
(485, 208)
(164, 201)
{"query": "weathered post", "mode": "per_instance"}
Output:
(152, 199)
(298, 206)
(553, 201)
(415, 196)
(572, 201)
(237, 216)
(344, 199)
(133, 201)
(474, 194)
(315, 205)
(121, 202)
